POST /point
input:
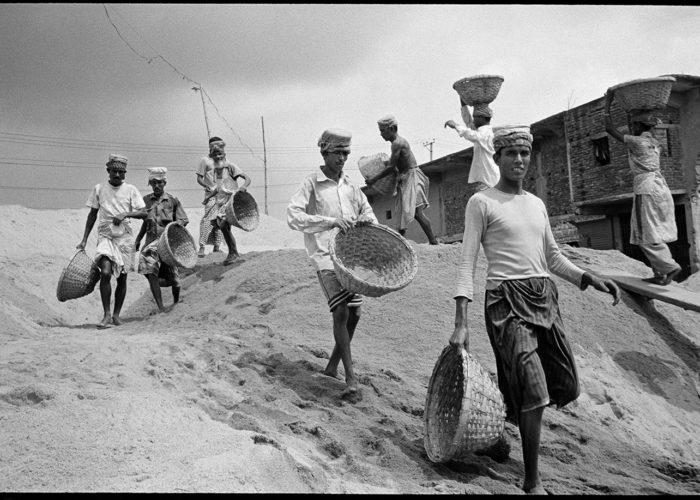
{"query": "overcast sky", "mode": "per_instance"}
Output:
(72, 90)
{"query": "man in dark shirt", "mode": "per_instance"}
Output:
(163, 208)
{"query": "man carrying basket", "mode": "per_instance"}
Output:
(162, 208)
(110, 204)
(534, 362)
(326, 200)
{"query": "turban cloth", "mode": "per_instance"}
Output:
(511, 135)
(117, 161)
(158, 173)
(218, 145)
(387, 121)
(334, 139)
(482, 109)
(644, 116)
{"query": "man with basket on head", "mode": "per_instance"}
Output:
(327, 200)
(412, 187)
(218, 177)
(110, 204)
(162, 209)
(534, 362)
(653, 221)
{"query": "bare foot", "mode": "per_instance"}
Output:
(655, 280)
(231, 259)
(331, 373)
(116, 320)
(352, 394)
(670, 276)
(105, 323)
(537, 489)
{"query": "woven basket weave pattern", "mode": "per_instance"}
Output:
(176, 246)
(464, 410)
(242, 211)
(649, 93)
(372, 260)
(373, 165)
(478, 89)
(78, 278)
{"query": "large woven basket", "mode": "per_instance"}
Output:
(78, 278)
(645, 93)
(464, 410)
(373, 165)
(242, 211)
(176, 246)
(372, 260)
(478, 89)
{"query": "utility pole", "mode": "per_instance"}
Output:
(429, 145)
(206, 121)
(262, 123)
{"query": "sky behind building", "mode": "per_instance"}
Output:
(80, 81)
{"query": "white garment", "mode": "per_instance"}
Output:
(314, 207)
(210, 171)
(517, 239)
(483, 168)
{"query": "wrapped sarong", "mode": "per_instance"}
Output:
(412, 193)
(209, 234)
(115, 243)
(151, 263)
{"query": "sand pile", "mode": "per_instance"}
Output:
(223, 393)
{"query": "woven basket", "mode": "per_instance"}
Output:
(78, 278)
(478, 89)
(373, 165)
(176, 246)
(242, 211)
(464, 410)
(646, 93)
(372, 260)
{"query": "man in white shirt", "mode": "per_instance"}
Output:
(535, 364)
(326, 200)
(110, 204)
(478, 130)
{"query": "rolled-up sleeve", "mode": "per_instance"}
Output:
(474, 227)
(298, 217)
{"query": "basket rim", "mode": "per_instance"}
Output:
(166, 240)
(644, 80)
(229, 209)
(477, 77)
(414, 259)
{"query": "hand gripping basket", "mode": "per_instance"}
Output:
(176, 246)
(372, 260)
(242, 211)
(645, 93)
(78, 278)
(478, 89)
(373, 165)
(464, 410)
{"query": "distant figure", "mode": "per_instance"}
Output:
(162, 209)
(478, 130)
(110, 204)
(209, 234)
(325, 200)
(412, 188)
(535, 365)
(224, 175)
(653, 220)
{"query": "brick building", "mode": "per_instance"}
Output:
(583, 177)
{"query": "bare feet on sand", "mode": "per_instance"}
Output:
(106, 322)
(662, 279)
(537, 489)
(331, 373)
(231, 258)
(352, 393)
(116, 320)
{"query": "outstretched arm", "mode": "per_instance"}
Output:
(603, 285)
(609, 128)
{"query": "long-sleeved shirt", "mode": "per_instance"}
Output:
(162, 211)
(517, 239)
(314, 207)
(483, 168)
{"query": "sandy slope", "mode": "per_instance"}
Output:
(223, 393)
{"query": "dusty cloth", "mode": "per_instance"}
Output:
(117, 246)
(151, 263)
(653, 217)
(334, 291)
(411, 194)
(335, 139)
(387, 121)
(221, 175)
(209, 233)
(314, 207)
(511, 135)
(534, 362)
(660, 258)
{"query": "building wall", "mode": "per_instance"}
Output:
(689, 135)
(548, 177)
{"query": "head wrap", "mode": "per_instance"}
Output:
(216, 143)
(387, 121)
(511, 135)
(116, 161)
(644, 116)
(334, 139)
(158, 173)
(483, 110)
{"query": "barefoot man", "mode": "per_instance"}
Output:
(326, 200)
(163, 208)
(110, 204)
(534, 362)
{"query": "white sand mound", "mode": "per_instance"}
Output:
(224, 392)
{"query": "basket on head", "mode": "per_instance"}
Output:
(78, 278)
(645, 93)
(478, 89)
(176, 246)
(464, 410)
(242, 211)
(373, 165)
(372, 260)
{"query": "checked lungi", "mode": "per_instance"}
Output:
(534, 361)
(209, 234)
